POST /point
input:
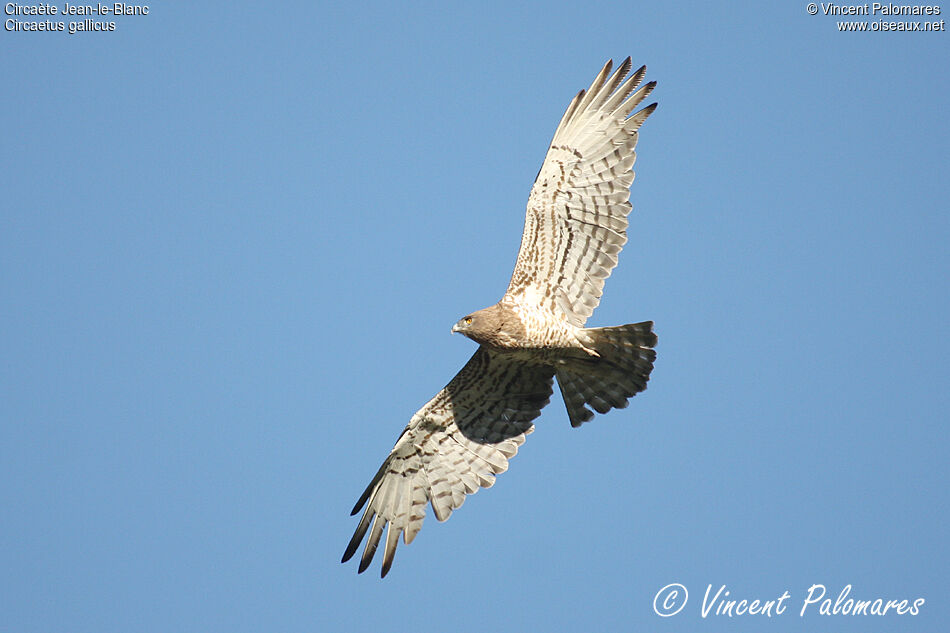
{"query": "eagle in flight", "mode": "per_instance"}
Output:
(575, 226)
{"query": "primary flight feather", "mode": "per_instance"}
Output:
(575, 227)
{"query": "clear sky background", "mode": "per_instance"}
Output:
(234, 237)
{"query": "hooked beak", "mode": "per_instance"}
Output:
(456, 328)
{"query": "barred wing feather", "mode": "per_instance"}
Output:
(451, 447)
(576, 220)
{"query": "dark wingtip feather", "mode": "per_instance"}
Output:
(350, 550)
(372, 542)
(357, 537)
(363, 499)
(372, 486)
(387, 563)
(353, 545)
(364, 562)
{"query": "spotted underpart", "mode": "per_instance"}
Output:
(575, 227)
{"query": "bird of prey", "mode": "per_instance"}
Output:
(575, 226)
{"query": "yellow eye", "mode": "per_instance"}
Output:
(468, 320)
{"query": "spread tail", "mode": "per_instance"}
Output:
(619, 370)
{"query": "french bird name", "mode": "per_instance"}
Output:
(118, 8)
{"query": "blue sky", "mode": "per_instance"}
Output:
(234, 239)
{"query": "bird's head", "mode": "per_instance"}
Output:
(466, 324)
(492, 326)
(480, 325)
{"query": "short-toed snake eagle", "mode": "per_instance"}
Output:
(575, 226)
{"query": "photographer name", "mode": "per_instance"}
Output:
(877, 8)
(720, 602)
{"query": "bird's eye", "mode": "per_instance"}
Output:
(468, 320)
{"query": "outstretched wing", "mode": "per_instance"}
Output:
(576, 222)
(452, 446)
